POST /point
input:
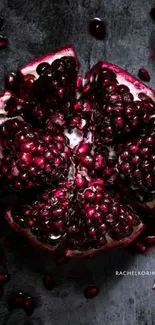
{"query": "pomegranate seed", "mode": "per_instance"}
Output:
(61, 260)
(1, 291)
(91, 292)
(97, 28)
(16, 300)
(1, 23)
(29, 305)
(48, 281)
(42, 67)
(152, 13)
(150, 240)
(4, 278)
(141, 247)
(144, 75)
(3, 42)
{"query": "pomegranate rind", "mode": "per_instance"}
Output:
(110, 244)
(72, 253)
(27, 234)
(5, 96)
(124, 76)
(30, 68)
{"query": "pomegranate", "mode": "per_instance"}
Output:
(83, 145)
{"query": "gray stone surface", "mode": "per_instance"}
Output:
(36, 27)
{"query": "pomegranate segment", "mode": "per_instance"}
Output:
(31, 67)
(122, 102)
(87, 220)
(100, 221)
(136, 164)
(44, 220)
(35, 159)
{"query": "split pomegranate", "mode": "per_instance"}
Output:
(81, 145)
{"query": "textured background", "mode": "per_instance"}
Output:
(36, 27)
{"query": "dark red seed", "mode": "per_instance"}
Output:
(3, 42)
(91, 292)
(41, 68)
(152, 13)
(48, 281)
(150, 240)
(97, 28)
(60, 260)
(29, 305)
(140, 247)
(1, 291)
(144, 75)
(10, 81)
(16, 300)
(4, 278)
(1, 23)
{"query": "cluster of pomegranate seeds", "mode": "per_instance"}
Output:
(137, 163)
(117, 112)
(37, 158)
(97, 28)
(144, 75)
(22, 301)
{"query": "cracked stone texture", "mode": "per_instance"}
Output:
(36, 27)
